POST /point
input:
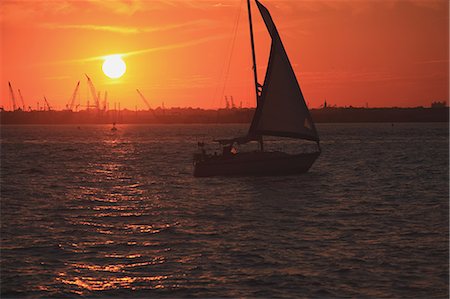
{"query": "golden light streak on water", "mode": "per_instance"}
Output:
(97, 284)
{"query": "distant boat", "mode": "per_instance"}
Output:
(281, 111)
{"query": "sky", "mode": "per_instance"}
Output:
(193, 53)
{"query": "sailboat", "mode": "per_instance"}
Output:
(281, 111)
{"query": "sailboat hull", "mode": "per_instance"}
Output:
(256, 163)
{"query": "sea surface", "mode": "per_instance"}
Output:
(87, 212)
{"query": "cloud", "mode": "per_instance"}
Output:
(127, 7)
(220, 4)
(130, 7)
(15, 11)
(193, 81)
(62, 77)
(19, 10)
(125, 29)
(116, 29)
(174, 46)
(141, 51)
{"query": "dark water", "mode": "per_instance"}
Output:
(95, 213)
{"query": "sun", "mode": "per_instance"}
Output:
(114, 67)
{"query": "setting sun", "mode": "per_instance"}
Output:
(114, 67)
(194, 53)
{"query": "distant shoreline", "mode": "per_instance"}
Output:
(235, 115)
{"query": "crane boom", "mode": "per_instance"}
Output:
(93, 92)
(13, 98)
(21, 98)
(105, 100)
(74, 95)
(46, 102)
(144, 99)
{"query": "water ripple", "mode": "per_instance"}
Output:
(94, 214)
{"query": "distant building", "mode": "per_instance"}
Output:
(442, 104)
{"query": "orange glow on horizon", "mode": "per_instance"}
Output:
(380, 53)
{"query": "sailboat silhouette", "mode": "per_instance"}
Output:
(281, 111)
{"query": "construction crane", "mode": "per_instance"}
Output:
(13, 98)
(98, 99)
(93, 92)
(48, 106)
(144, 99)
(74, 95)
(21, 98)
(104, 101)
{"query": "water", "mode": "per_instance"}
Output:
(93, 213)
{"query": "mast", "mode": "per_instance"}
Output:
(255, 72)
(252, 40)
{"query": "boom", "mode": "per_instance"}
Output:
(144, 99)
(74, 95)
(48, 105)
(21, 98)
(13, 97)
(93, 92)
(105, 101)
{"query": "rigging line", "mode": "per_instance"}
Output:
(232, 50)
(229, 45)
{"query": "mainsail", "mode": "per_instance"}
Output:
(281, 109)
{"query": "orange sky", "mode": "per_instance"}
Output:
(384, 53)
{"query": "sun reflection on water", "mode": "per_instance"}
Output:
(101, 284)
(114, 212)
(118, 267)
